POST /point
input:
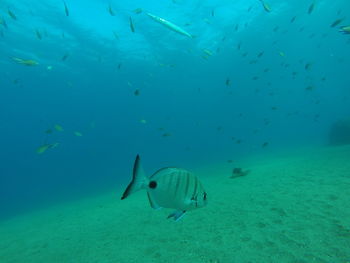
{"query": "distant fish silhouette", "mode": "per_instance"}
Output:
(66, 10)
(238, 172)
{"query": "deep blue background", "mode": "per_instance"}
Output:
(181, 93)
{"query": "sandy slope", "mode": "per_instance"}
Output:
(289, 209)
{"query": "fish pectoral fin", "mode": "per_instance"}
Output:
(153, 203)
(177, 214)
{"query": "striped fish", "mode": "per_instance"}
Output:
(169, 188)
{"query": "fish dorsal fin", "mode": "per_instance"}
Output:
(152, 202)
(139, 180)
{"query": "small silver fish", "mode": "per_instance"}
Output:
(66, 10)
(169, 188)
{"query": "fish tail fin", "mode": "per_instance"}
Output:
(139, 179)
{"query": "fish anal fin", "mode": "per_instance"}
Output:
(153, 203)
(177, 214)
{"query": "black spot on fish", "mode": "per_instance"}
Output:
(152, 184)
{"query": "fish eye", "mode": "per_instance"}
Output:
(204, 196)
(152, 184)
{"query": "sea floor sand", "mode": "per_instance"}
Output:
(290, 209)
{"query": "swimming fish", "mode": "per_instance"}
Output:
(260, 54)
(208, 52)
(26, 62)
(170, 25)
(238, 172)
(311, 8)
(58, 128)
(138, 11)
(337, 22)
(38, 34)
(169, 188)
(78, 134)
(66, 10)
(110, 10)
(307, 66)
(45, 147)
(131, 25)
(266, 6)
(11, 14)
(345, 29)
(65, 56)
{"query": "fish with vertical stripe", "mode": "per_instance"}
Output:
(169, 188)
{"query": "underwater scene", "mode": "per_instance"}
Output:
(175, 131)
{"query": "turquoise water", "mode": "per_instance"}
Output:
(249, 82)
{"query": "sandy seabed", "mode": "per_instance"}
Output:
(293, 209)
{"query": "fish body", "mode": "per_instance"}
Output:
(110, 10)
(345, 29)
(26, 62)
(170, 25)
(78, 134)
(66, 10)
(307, 66)
(11, 14)
(208, 52)
(132, 28)
(43, 148)
(65, 56)
(311, 8)
(169, 188)
(58, 128)
(337, 22)
(138, 11)
(38, 34)
(266, 6)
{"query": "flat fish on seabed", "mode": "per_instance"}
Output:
(169, 188)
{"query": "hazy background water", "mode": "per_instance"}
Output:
(191, 116)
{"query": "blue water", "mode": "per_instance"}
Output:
(190, 113)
